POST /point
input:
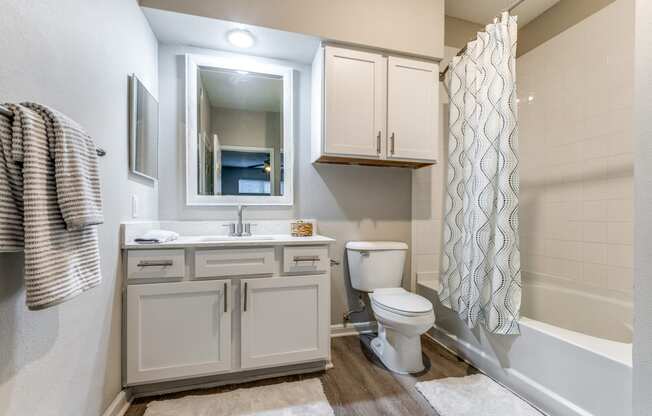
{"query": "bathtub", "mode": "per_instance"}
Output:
(560, 371)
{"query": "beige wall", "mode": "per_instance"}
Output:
(412, 26)
(555, 20)
(561, 16)
(459, 32)
(241, 128)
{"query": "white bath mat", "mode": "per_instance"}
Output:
(300, 398)
(475, 395)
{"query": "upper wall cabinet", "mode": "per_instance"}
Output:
(371, 109)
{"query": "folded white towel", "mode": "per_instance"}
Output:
(157, 236)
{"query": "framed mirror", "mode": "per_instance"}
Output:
(239, 141)
(143, 130)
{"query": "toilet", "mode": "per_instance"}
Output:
(376, 267)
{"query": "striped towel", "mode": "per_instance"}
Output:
(76, 171)
(60, 236)
(11, 192)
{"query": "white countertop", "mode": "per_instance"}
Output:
(225, 241)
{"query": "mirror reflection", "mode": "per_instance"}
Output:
(239, 129)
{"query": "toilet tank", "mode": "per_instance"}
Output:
(376, 264)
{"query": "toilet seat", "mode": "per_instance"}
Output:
(401, 302)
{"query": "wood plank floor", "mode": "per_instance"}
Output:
(359, 384)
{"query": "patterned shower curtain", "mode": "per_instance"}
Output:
(480, 267)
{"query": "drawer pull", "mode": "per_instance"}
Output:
(155, 263)
(298, 259)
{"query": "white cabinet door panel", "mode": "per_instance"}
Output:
(285, 320)
(354, 99)
(412, 109)
(178, 330)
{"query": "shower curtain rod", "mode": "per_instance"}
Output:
(442, 74)
(4, 111)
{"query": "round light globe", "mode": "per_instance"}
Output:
(240, 38)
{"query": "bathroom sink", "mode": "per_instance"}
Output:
(217, 238)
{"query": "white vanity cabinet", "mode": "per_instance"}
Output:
(201, 311)
(284, 319)
(178, 330)
(369, 108)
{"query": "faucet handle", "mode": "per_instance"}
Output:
(247, 229)
(231, 226)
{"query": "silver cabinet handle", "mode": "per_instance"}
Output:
(155, 263)
(378, 142)
(226, 293)
(391, 141)
(297, 259)
(245, 297)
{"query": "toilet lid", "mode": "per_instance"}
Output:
(401, 300)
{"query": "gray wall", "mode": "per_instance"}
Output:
(349, 202)
(642, 210)
(76, 56)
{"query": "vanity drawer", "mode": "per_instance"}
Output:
(234, 262)
(155, 264)
(305, 259)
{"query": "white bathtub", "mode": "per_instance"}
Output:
(561, 372)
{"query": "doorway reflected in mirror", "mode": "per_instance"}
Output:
(240, 133)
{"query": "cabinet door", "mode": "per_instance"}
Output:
(285, 320)
(354, 103)
(178, 330)
(412, 109)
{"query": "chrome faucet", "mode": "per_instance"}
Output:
(239, 229)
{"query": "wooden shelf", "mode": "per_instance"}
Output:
(337, 160)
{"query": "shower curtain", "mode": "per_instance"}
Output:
(480, 267)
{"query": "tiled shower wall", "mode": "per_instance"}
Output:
(576, 165)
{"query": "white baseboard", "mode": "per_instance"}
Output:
(118, 406)
(352, 328)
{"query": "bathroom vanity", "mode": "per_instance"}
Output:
(214, 305)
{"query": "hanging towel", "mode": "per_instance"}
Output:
(60, 210)
(11, 192)
(76, 171)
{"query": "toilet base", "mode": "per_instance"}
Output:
(399, 353)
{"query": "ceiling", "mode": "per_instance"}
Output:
(184, 29)
(243, 91)
(483, 11)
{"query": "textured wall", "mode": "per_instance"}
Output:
(75, 56)
(349, 202)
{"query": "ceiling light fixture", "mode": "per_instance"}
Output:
(240, 38)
